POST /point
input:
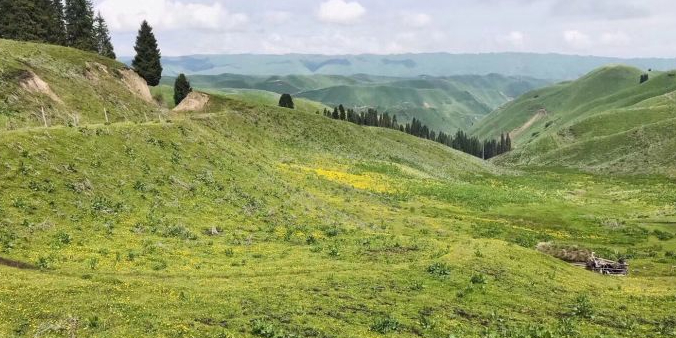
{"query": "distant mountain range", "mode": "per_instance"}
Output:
(542, 66)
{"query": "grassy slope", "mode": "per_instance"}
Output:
(606, 120)
(325, 229)
(248, 220)
(74, 76)
(447, 103)
(166, 92)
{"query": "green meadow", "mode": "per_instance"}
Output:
(248, 220)
(256, 221)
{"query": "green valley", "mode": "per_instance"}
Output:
(239, 218)
(448, 103)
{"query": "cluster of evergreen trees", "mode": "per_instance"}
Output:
(370, 117)
(460, 141)
(71, 24)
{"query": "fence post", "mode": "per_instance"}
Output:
(105, 112)
(44, 119)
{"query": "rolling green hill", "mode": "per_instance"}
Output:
(242, 219)
(606, 120)
(443, 103)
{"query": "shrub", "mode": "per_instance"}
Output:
(663, 235)
(7, 238)
(568, 253)
(478, 279)
(582, 307)
(265, 329)
(386, 325)
(43, 263)
(439, 269)
(333, 251)
(667, 327)
(63, 238)
(159, 265)
(178, 231)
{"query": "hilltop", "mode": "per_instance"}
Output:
(606, 120)
(243, 219)
(72, 86)
(447, 103)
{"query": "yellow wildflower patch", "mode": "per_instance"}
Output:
(363, 182)
(367, 181)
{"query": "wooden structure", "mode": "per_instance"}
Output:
(607, 267)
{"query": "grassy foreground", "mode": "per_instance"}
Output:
(249, 220)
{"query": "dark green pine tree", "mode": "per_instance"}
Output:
(336, 114)
(103, 44)
(341, 110)
(181, 88)
(55, 26)
(286, 101)
(147, 61)
(508, 142)
(21, 20)
(79, 17)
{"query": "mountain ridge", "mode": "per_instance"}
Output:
(544, 66)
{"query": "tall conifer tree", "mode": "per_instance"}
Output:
(286, 101)
(181, 88)
(103, 44)
(55, 23)
(147, 62)
(79, 17)
(23, 20)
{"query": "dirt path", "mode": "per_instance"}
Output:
(16, 264)
(537, 117)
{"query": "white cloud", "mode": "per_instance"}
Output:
(277, 17)
(126, 15)
(615, 39)
(340, 11)
(577, 39)
(418, 20)
(514, 38)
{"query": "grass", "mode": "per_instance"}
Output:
(87, 84)
(327, 229)
(249, 220)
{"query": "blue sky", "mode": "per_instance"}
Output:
(624, 28)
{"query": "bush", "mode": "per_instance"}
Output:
(178, 231)
(582, 307)
(63, 238)
(667, 327)
(159, 265)
(386, 325)
(439, 269)
(663, 235)
(265, 329)
(478, 279)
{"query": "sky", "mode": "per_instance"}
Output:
(621, 28)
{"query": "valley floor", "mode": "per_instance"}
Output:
(261, 222)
